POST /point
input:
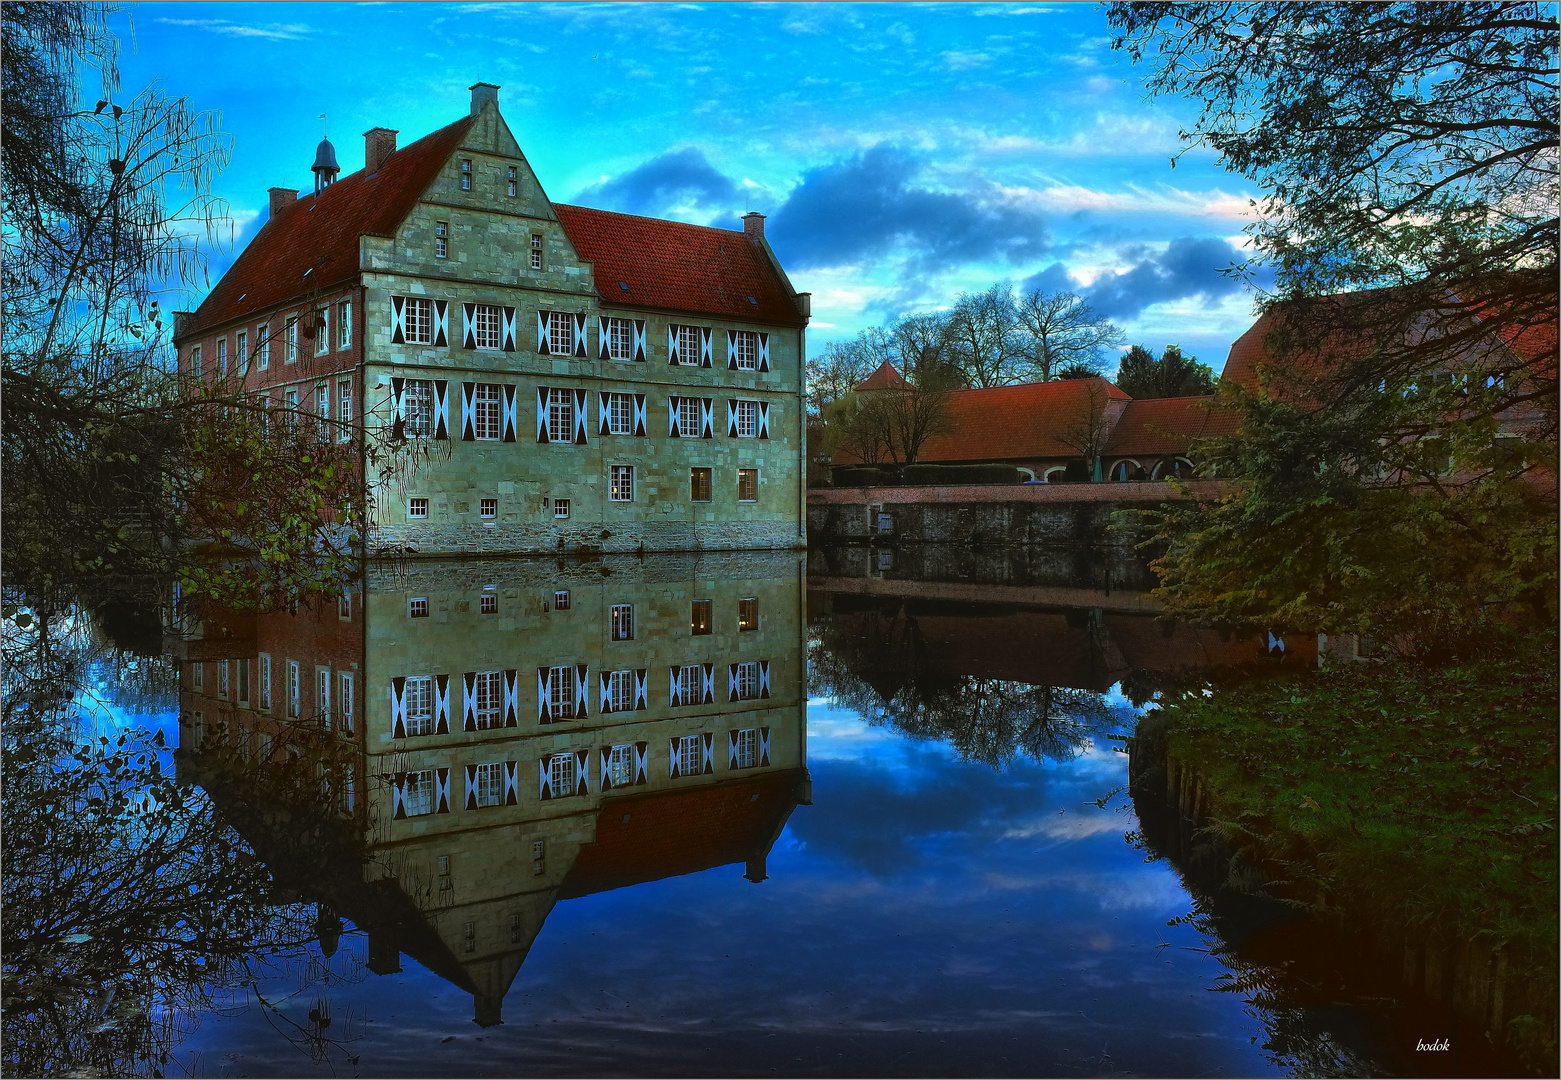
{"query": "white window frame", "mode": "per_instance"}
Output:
(466, 174)
(346, 699)
(747, 685)
(488, 508)
(322, 331)
(322, 695)
(688, 345)
(561, 600)
(561, 774)
(419, 314)
(620, 483)
(417, 408)
(747, 415)
(689, 410)
(488, 604)
(620, 764)
(294, 690)
(620, 414)
(621, 622)
(241, 350)
(195, 361)
(754, 497)
(488, 326)
(690, 755)
(290, 340)
(265, 682)
(487, 412)
(514, 181)
(222, 356)
(417, 507)
(419, 704)
(489, 784)
(560, 508)
(747, 742)
(488, 699)
(560, 415)
(746, 345)
(263, 344)
(691, 684)
(417, 607)
(224, 677)
(561, 333)
(561, 692)
(344, 324)
(441, 239)
(620, 691)
(418, 793)
(344, 408)
(620, 339)
(536, 252)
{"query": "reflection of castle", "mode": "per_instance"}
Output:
(497, 735)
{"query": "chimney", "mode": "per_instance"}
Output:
(482, 93)
(753, 225)
(281, 198)
(378, 144)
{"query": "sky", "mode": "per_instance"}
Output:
(902, 153)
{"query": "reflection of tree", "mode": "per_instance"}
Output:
(992, 721)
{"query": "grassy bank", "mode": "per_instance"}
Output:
(1393, 796)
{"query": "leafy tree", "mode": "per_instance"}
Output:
(1062, 332)
(1173, 375)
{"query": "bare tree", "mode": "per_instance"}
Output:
(1061, 330)
(835, 372)
(897, 421)
(983, 337)
(1088, 428)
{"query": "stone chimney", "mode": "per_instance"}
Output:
(753, 225)
(482, 93)
(378, 144)
(281, 198)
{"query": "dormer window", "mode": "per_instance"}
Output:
(441, 239)
(514, 182)
(466, 174)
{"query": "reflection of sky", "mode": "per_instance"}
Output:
(923, 917)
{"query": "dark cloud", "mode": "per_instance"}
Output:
(867, 204)
(678, 177)
(1189, 267)
(1054, 279)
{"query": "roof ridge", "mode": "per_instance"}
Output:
(647, 217)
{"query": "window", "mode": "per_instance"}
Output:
(195, 361)
(417, 507)
(746, 413)
(561, 600)
(224, 677)
(747, 485)
(243, 681)
(418, 793)
(620, 339)
(290, 404)
(488, 703)
(198, 675)
(344, 324)
(536, 251)
(621, 483)
(747, 747)
(620, 414)
(488, 413)
(561, 415)
(344, 408)
(699, 619)
(561, 693)
(560, 333)
(441, 240)
(620, 691)
(747, 685)
(699, 484)
(488, 508)
(322, 331)
(489, 605)
(322, 696)
(514, 183)
(294, 689)
(265, 682)
(688, 755)
(222, 356)
(345, 703)
(466, 174)
(560, 508)
(290, 341)
(745, 347)
(417, 607)
(322, 409)
(419, 321)
(688, 346)
(487, 326)
(241, 350)
(344, 607)
(420, 705)
(561, 774)
(620, 765)
(263, 345)
(748, 614)
(688, 417)
(622, 622)
(490, 784)
(417, 408)
(691, 681)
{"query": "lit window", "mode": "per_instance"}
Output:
(419, 321)
(488, 699)
(489, 508)
(748, 614)
(688, 346)
(560, 333)
(441, 240)
(417, 409)
(747, 415)
(514, 182)
(747, 684)
(346, 703)
(620, 414)
(536, 251)
(466, 174)
(699, 484)
(699, 620)
(561, 692)
(322, 331)
(344, 324)
(747, 485)
(688, 417)
(745, 346)
(417, 507)
(620, 765)
(487, 326)
(417, 793)
(747, 741)
(561, 415)
(620, 692)
(489, 604)
(290, 341)
(561, 774)
(420, 705)
(620, 339)
(621, 484)
(487, 413)
(622, 621)
(560, 508)
(688, 755)
(417, 607)
(490, 784)
(561, 600)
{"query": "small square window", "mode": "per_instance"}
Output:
(466, 174)
(560, 508)
(747, 485)
(622, 625)
(417, 507)
(561, 600)
(441, 240)
(489, 508)
(417, 607)
(748, 614)
(699, 621)
(699, 484)
(490, 603)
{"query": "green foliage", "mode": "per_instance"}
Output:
(1395, 795)
(1173, 375)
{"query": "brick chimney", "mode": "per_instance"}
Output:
(753, 225)
(281, 198)
(378, 144)
(482, 93)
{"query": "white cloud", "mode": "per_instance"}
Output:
(275, 31)
(1134, 199)
(964, 61)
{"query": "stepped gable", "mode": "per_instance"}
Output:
(670, 833)
(681, 267)
(1156, 426)
(319, 233)
(1023, 421)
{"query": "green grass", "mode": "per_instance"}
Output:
(1395, 794)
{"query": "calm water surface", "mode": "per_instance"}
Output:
(931, 867)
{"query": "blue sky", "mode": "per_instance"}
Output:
(903, 153)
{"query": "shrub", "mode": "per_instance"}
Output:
(929, 475)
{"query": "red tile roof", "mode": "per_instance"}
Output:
(883, 377)
(1003, 423)
(320, 233)
(669, 833)
(1155, 426)
(669, 264)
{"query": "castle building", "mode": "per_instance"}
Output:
(570, 379)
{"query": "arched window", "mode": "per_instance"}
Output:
(1126, 469)
(1055, 474)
